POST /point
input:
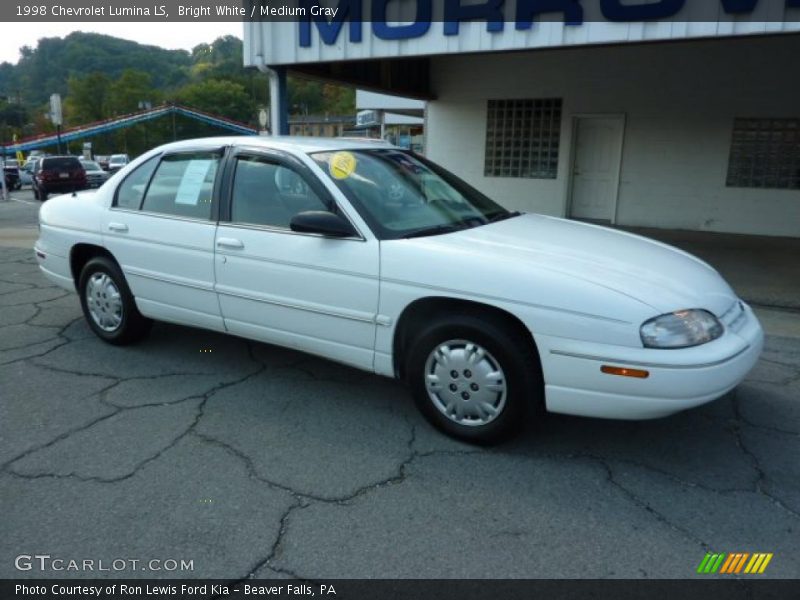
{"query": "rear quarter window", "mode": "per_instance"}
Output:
(131, 190)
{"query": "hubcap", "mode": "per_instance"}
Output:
(465, 382)
(104, 302)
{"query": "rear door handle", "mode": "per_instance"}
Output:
(121, 227)
(230, 243)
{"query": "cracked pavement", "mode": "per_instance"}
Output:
(256, 461)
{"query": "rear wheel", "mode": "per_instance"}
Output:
(475, 378)
(108, 305)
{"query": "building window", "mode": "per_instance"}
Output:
(765, 153)
(522, 138)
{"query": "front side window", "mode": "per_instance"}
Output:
(402, 195)
(183, 185)
(131, 191)
(270, 194)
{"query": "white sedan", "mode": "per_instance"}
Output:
(377, 258)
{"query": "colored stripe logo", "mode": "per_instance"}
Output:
(734, 563)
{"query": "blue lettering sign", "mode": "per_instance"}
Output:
(615, 10)
(527, 9)
(329, 31)
(490, 11)
(418, 28)
(454, 13)
(742, 6)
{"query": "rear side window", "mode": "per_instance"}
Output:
(131, 191)
(61, 164)
(183, 185)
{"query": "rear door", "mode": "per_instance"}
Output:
(307, 291)
(161, 230)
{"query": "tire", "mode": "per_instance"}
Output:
(43, 195)
(35, 192)
(494, 383)
(111, 312)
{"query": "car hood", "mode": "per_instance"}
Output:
(653, 273)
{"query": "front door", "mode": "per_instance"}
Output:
(595, 168)
(309, 292)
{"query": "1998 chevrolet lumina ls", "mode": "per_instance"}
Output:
(377, 258)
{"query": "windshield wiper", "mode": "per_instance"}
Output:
(436, 230)
(504, 216)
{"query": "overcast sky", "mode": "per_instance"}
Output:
(166, 35)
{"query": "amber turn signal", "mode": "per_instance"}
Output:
(625, 372)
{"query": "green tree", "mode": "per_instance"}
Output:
(131, 88)
(87, 98)
(315, 98)
(220, 97)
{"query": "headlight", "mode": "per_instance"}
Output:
(681, 329)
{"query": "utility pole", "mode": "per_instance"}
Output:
(3, 187)
(56, 116)
(145, 105)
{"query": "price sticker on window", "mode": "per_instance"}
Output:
(341, 165)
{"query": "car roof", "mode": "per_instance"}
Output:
(288, 143)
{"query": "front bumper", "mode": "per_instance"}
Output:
(677, 380)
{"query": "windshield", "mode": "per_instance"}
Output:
(403, 195)
(90, 165)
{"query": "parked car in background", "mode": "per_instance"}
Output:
(58, 175)
(102, 160)
(95, 175)
(26, 172)
(117, 161)
(368, 255)
(11, 173)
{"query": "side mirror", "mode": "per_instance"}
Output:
(322, 222)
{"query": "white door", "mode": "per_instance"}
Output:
(161, 231)
(317, 294)
(595, 168)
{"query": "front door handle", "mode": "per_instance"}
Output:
(120, 227)
(230, 243)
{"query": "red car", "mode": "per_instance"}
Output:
(58, 175)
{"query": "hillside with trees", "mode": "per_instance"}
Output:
(99, 77)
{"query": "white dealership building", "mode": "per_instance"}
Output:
(687, 120)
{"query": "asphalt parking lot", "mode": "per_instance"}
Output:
(251, 460)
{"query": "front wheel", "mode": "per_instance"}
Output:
(475, 378)
(108, 305)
